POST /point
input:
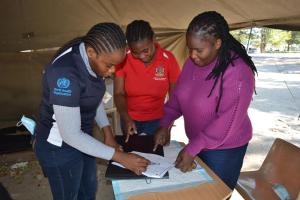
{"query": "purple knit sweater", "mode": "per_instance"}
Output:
(206, 129)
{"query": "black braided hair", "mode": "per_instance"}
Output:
(139, 30)
(102, 37)
(213, 24)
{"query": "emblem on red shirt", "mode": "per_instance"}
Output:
(159, 71)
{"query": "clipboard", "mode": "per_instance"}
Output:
(139, 143)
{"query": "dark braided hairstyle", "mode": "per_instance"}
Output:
(213, 24)
(102, 37)
(139, 30)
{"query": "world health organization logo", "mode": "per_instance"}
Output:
(63, 83)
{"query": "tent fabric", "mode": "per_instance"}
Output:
(20, 85)
(33, 24)
(36, 25)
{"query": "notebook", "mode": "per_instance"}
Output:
(139, 143)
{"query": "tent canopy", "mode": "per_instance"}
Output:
(43, 24)
(33, 24)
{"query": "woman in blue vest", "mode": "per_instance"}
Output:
(73, 88)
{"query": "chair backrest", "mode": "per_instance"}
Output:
(282, 165)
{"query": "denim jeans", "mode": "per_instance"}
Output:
(148, 127)
(226, 163)
(71, 174)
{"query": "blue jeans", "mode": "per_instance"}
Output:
(226, 163)
(148, 127)
(71, 174)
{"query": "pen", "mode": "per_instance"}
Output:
(154, 163)
(194, 164)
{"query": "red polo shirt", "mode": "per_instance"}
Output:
(146, 86)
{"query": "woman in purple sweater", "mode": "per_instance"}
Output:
(212, 94)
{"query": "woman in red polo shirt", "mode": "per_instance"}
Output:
(143, 80)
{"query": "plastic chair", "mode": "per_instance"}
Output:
(281, 166)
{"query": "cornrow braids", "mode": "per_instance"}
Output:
(139, 30)
(105, 38)
(213, 24)
(102, 37)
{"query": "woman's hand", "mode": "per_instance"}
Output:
(184, 161)
(161, 137)
(130, 128)
(131, 161)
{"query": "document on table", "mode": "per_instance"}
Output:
(158, 167)
(123, 189)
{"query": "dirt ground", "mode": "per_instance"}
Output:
(28, 182)
(274, 113)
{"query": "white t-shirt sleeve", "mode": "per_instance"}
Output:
(101, 116)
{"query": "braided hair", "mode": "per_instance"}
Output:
(213, 24)
(102, 37)
(139, 30)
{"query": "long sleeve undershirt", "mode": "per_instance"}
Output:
(69, 124)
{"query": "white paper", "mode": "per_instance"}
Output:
(158, 167)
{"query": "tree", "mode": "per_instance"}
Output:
(242, 35)
(261, 37)
(279, 38)
(264, 35)
(295, 39)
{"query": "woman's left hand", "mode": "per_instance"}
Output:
(184, 161)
